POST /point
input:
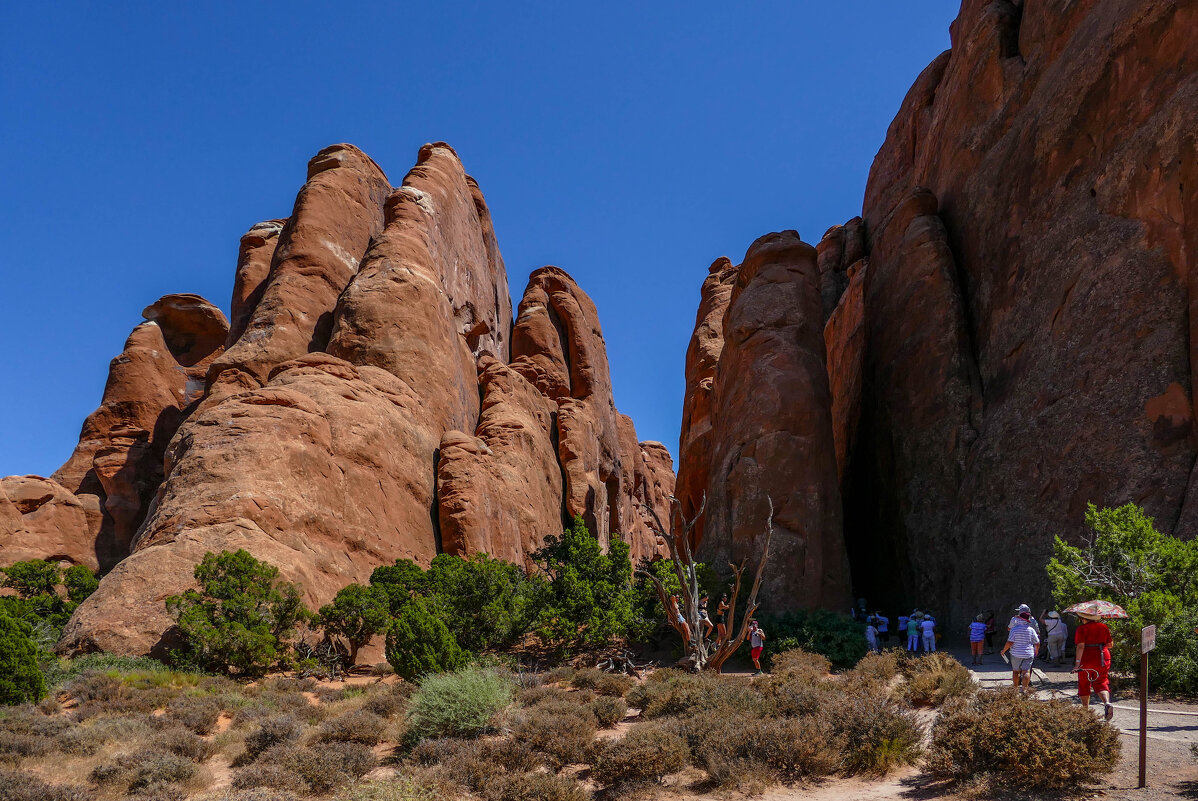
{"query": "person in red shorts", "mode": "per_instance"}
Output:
(1092, 662)
(756, 645)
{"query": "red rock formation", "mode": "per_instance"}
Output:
(351, 458)
(844, 341)
(1059, 146)
(117, 465)
(841, 247)
(500, 491)
(335, 215)
(702, 356)
(558, 347)
(771, 432)
(41, 519)
(253, 266)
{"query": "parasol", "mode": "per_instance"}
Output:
(1099, 609)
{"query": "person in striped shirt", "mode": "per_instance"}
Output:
(1023, 641)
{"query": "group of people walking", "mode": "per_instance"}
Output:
(916, 629)
(1091, 660)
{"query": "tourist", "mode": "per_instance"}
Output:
(682, 624)
(1056, 631)
(883, 624)
(721, 611)
(1092, 662)
(756, 645)
(1022, 641)
(871, 636)
(1018, 620)
(991, 630)
(902, 626)
(977, 638)
(703, 618)
(913, 632)
(928, 627)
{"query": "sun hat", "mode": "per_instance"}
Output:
(1054, 614)
(1024, 608)
(981, 618)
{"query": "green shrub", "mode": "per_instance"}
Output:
(933, 678)
(399, 582)
(61, 671)
(419, 643)
(459, 704)
(609, 711)
(646, 754)
(32, 578)
(589, 600)
(20, 785)
(241, 618)
(356, 614)
(80, 582)
(1007, 741)
(563, 733)
(21, 679)
(837, 637)
(487, 603)
(1152, 575)
(134, 771)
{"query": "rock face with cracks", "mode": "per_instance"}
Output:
(367, 408)
(1010, 322)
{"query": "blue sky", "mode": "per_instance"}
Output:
(628, 143)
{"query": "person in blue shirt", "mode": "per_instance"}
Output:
(977, 638)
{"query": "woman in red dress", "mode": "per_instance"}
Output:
(1092, 662)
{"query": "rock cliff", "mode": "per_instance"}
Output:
(1009, 322)
(363, 406)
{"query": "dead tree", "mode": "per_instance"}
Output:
(700, 654)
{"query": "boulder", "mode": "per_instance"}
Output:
(41, 519)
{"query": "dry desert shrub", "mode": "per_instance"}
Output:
(137, 770)
(536, 787)
(198, 713)
(386, 703)
(560, 674)
(249, 794)
(879, 734)
(561, 732)
(322, 768)
(271, 732)
(184, 743)
(647, 754)
(741, 751)
(361, 726)
(1007, 741)
(934, 678)
(603, 683)
(531, 696)
(20, 785)
(268, 776)
(160, 791)
(405, 788)
(687, 694)
(464, 703)
(800, 664)
(879, 667)
(608, 711)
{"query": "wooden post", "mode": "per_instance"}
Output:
(1147, 643)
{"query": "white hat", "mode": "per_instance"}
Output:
(1024, 608)
(1054, 614)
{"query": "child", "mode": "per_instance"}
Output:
(756, 645)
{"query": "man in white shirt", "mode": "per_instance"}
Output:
(1022, 641)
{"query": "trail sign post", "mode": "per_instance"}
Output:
(1147, 643)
